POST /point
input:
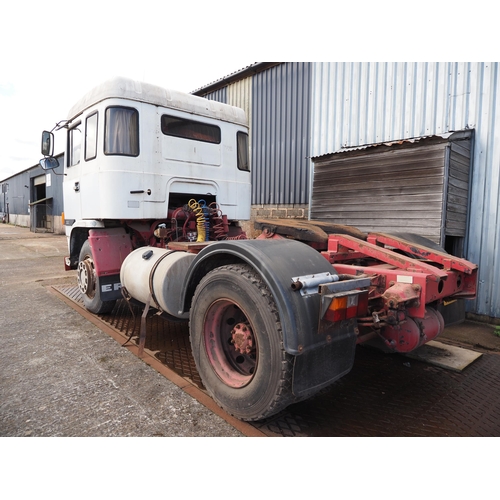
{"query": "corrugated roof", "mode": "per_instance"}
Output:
(245, 72)
(387, 143)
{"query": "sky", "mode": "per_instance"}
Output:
(52, 52)
(51, 55)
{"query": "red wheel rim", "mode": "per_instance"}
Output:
(234, 361)
(86, 277)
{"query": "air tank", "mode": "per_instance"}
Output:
(414, 332)
(157, 272)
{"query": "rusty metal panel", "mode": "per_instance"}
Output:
(457, 193)
(388, 188)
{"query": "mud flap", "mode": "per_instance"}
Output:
(319, 367)
(110, 287)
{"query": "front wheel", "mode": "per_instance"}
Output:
(237, 343)
(89, 285)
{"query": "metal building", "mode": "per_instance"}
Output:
(277, 100)
(34, 198)
(300, 112)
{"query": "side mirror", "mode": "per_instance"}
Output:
(49, 163)
(47, 143)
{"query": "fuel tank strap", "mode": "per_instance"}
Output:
(151, 276)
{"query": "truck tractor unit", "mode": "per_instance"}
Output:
(156, 184)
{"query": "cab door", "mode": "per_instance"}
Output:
(72, 170)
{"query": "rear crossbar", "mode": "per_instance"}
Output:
(449, 262)
(412, 267)
(371, 248)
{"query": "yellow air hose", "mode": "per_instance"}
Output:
(200, 219)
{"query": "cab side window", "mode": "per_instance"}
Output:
(242, 148)
(74, 145)
(91, 137)
(121, 131)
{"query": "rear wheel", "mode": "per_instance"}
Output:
(237, 343)
(420, 240)
(89, 285)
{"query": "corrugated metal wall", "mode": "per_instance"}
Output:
(17, 195)
(365, 103)
(240, 94)
(219, 95)
(281, 134)
(278, 105)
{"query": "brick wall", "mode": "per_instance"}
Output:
(272, 212)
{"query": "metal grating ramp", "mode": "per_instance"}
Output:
(383, 395)
(167, 340)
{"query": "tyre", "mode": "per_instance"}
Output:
(88, 282)
(237, 343)
(420, 240)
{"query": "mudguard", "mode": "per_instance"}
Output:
(322, 357)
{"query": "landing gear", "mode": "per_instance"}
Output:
(88, 282)
(237, 343)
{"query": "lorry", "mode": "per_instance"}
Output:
(156, 185)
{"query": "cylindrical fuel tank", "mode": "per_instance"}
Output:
(414, 332)
(157, 272)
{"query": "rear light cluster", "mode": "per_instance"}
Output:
(347, 305)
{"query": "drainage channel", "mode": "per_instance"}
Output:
(383, 395)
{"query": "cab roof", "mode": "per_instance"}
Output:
(125, 88)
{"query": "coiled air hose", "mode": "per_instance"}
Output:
(206, 214)
(200, 219)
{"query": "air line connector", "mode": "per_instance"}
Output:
(309, 284)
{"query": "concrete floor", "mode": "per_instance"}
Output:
(62, 376)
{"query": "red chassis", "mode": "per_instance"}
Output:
(406, 281)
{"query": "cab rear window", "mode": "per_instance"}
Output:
(190, 129)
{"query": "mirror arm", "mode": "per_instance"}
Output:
(60, 125)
